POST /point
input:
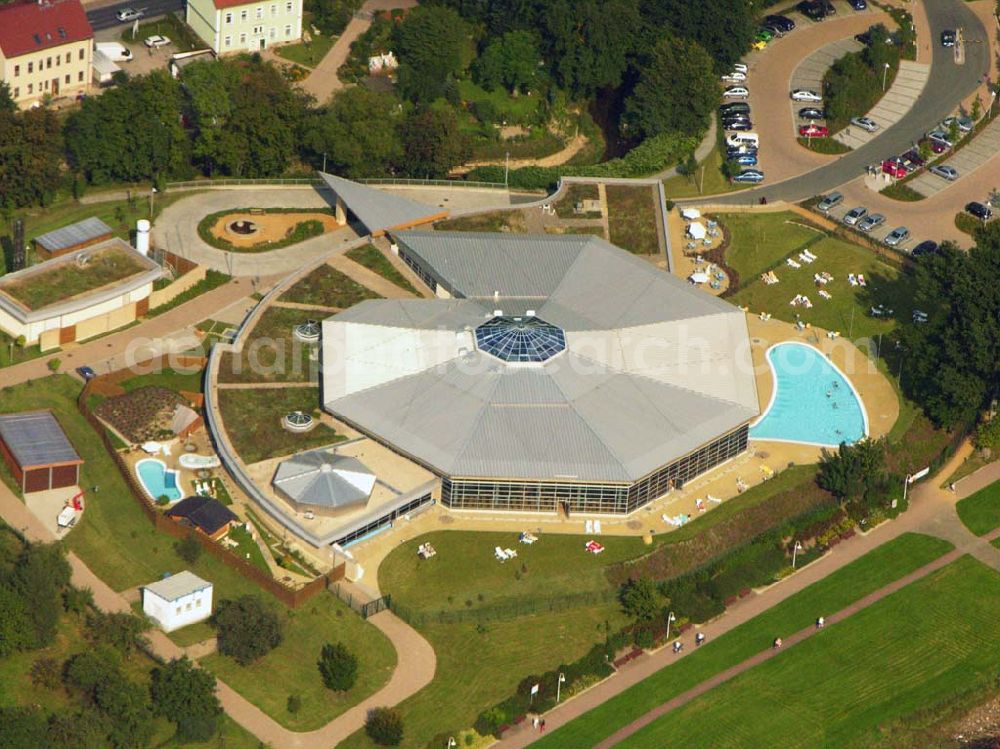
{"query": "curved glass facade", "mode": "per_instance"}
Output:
(520, 339)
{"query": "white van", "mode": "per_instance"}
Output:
(743, 139)
(114, 51)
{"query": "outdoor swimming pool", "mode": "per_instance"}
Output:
(812, 401)
(157, 480)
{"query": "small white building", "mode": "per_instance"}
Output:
(177, 601)
(384, 63)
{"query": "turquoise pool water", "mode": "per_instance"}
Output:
(812, 401)
(157, 480)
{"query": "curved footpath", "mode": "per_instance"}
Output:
(931, 511)
(948, 85)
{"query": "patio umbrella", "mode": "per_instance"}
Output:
(690, 213)
(698, 278)
(696, 231)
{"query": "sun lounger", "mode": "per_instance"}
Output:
(716, 500)
(833, 334)
(510, 553)
(597, 527)
(825, 294)
(861, 282)
(793, 263)
(809, 255)
(588, 527)
(700, 504)
(852, 279)
(805, 258)
(500, 554)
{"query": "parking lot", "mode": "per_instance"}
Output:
(144, 60)
(890, 109)
(968, 159)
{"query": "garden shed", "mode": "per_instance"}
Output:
(38, 452)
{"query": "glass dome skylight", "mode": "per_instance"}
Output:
(520, 339)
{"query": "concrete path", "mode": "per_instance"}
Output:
(700, 153)
(893, 106)
(323, 81)
(988, 474)
(969, 158)
(931, 511)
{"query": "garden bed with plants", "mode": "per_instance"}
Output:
(288, 232)
(142, 414)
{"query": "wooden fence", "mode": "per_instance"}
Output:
(292, 597)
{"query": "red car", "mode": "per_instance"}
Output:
(814, 131)
(894, 168)
(936, 145)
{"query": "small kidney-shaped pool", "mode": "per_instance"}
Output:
(812, 401)
(157, 479)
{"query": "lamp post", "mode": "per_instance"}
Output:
(452, 742)
(324, 162)
(559, 683)
(885, 74)
(795, 550)
(670, 618)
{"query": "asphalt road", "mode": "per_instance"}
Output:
(947, 86)
(104, 18)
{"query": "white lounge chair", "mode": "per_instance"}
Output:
(597, 527)
(588, 527)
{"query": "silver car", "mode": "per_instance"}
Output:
(870, 221)
(897, 236)
(865, 123)
(854, 215)
(829, 201)
(949, 173)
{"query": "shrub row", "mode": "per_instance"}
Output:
(650, 156)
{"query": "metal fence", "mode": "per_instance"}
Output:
(234, 181)
(277, 181)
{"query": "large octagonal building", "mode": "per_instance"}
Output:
(550, 373)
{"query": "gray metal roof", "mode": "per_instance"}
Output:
(376, 209)
(324, 479)
(177, 586)
(74, 234)
(653, 367)
(36, 439)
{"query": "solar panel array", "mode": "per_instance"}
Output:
(520, 339)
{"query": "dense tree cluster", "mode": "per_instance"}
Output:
(30, 153)
(247, 629)
(31, 598)
(952, 362)
(857, 475)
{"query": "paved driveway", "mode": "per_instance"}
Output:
(969, 158)
(947, 85)
(893, 106)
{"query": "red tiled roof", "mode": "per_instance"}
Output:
(222, 4)
(30, 26)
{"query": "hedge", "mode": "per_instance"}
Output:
(649, 157)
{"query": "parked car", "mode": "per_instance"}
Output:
(865, 123)
(735, 106)
(829, 202)
(802, 94)
(128, 14)
(936, 146)
(784, 23)
(735, 76)
(854, 215)
(859, 4)
(774, 30)
(741, 67)
(979, 210)
(814, 131)
(745, 159)
(86, 373)
(114, 51)
(741, 139)
(894, 168)
(927, 247)
(948, 38)
(964, 124)
(812, 113)
(865, 37)
(764, 35)
(897, 236)
(758, 44)
(736, 92)
(156, 41)
(870, 221)
(817, 10)
(949, 173)
(941, 137)
(738, 125)
(912, 160)
(749, 176)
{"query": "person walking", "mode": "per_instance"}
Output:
(777, 643)
(820, 623)
(699, 639)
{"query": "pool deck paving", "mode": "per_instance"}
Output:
(931, 511)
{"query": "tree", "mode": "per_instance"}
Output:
(641, 600)
(130, 716)
(130, 133)
(338, 666)
(93, 667)
(331, 16)
(293, 704)
(358, 133)
(7, 103)
(22, 727)
(384, 726)
(433, 46)
(31, 150)
(677, 91)
(510, 62)
(953, 360)
(185, 695)
(15, 624)
(188, 548)
(856, 473)
(84, 729)
(40, 577)
(247, 630)
(121, 630)
(432, 143)
(723, 28)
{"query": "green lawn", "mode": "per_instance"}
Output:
(762, 240)
(479, 666)
(506, 106)
(876, 569)
(172, 379)
(708, 177)
(838, 687)
(248, 549)
(465, 569)
(253, 421)
(632, 218)
(327, 287)
(291, 667)
(849, 309)
(981, 511)
(370, 257)
(308, 54)
(575, 193)
(271, 352)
